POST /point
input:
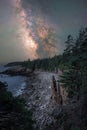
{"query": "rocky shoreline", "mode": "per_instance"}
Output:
(48, 114)
(38, 97)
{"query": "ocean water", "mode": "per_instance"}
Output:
(16, 84)
(2, 68)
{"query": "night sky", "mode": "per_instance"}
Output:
(25, 25)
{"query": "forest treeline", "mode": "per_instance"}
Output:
(75, 54)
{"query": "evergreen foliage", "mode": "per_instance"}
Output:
(13, 112)
(75, 76)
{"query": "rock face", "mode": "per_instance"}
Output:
(17, 70)
(56, 93)
(59, 94)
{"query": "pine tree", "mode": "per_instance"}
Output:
(69, 45)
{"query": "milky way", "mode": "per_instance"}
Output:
(24, 31)
(33, 32)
